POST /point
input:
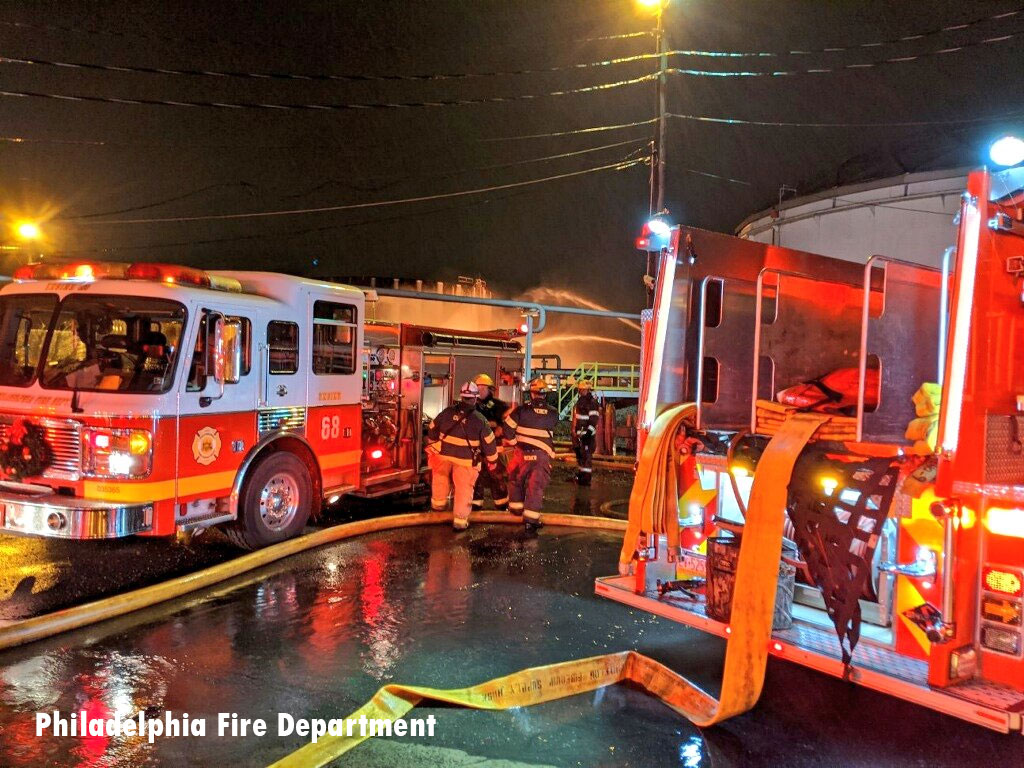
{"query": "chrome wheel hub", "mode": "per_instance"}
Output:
(279, 502)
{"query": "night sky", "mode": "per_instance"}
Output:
(79, 159)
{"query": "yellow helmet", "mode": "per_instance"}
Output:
(583, 384)
(538, 385)
(483, 380)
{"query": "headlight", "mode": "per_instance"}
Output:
(117, 452)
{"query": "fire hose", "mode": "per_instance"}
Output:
(750, 628)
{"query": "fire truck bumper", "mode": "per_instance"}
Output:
(67, 517)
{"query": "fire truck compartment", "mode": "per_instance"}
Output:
(749, 319)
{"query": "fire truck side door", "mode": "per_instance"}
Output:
(215, 431)
(284, 365)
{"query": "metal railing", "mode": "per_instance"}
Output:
(620, 378)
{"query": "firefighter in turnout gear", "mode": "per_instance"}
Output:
(458, 442)
(496, 481)
(530, 429)
(584, 431)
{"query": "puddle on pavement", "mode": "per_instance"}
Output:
(321, 632)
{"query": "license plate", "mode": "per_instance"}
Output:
(691, 562)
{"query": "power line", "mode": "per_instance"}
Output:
(297, 232)
(460, 171)
(324, 107)
(620, 165)
(441, 76)
(165, 201)
(918, 36)
(574, 132)
(847, 67)
(332, 77)
(794, 124)
(350, 182)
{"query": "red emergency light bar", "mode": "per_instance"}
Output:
(171, 274)
(168, 273)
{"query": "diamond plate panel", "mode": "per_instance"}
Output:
(1004, 451)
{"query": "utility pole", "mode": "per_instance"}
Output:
(660, 140)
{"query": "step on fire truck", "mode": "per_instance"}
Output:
(923, 577)
(153, 399)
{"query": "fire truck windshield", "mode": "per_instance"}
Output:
(86, 342)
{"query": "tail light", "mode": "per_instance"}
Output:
(117, 452)
(1005, 581)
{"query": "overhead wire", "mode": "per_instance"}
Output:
(840, 124)
(164, 201)
(619, 165)
(440, 76)
(325, 107)
(355, 182)
(474, 169)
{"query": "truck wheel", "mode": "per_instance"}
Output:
(276, 501)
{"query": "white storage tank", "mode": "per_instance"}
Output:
(907, 217)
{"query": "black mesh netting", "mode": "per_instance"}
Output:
(837, 532)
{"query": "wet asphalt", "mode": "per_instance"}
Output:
(317, 634)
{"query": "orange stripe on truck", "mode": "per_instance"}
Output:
(109, 490)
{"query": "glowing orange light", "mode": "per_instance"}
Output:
(1005, 522)
(28, 230)
(1006, 582)
(376, 453)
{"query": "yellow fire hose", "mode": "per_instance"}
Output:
(39, 627)
(654, 494)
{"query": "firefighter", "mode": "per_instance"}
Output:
(530, 429)
(584, 431)
(494, 411)
(458, 442)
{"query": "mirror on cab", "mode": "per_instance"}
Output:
(226, 351)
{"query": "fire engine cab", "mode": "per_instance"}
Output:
(902, 563)
(151, 399)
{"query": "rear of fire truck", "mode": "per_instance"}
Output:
(902, 562)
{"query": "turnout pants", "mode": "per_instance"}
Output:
(528, 475)
(496, 482)
(446, 476)
(585, 447)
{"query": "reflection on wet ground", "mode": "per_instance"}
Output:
(43, 575)
(316, 635)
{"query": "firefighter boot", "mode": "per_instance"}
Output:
(531, 520)
(583, 476)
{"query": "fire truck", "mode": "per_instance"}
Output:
(909, 562)
(153, 399)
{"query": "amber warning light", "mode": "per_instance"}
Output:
(1003, 581)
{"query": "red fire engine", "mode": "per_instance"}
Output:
(151, 399)
(932, 539)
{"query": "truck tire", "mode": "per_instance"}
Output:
(275, 503)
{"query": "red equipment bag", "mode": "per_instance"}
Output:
(835, 392)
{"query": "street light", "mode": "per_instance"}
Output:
(27, 230)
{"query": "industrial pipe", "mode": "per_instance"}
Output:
(531, 308)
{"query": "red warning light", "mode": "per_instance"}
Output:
(376, 453)
(524, 328)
